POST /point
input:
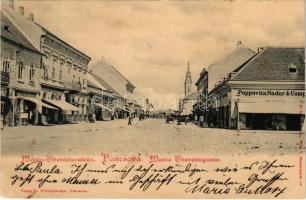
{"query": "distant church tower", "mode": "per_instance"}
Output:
(188, 81)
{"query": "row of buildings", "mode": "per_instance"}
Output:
(251, 90)
(44, 80)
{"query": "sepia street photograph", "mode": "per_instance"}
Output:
(117, 88)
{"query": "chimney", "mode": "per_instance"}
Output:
(11, 4)
(31, 16)
(21, 10)
(260, 49)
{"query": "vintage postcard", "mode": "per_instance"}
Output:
(153, 99)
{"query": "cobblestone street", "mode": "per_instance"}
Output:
(148, 136)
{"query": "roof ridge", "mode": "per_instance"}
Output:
(248, 62)
(20, 29)
(122, 75)
(283, 47)
(222, 60)
(45, 30)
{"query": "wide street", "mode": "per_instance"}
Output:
(148, 136)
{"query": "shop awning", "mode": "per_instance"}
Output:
(63, 105)
(272, 107)
(38, 102)
(122, 108)
(130, 110)
(104, 107)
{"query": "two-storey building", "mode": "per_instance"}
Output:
(63, 70)
(20, 76)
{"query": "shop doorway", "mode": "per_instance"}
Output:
(293, 122)
(261, 121)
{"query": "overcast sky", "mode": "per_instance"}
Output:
(151, 42)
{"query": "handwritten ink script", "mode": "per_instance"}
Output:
(268, 178)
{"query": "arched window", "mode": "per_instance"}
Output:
(44, 95)
(20, 68)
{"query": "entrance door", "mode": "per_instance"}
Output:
(293, 122)
(261, 121)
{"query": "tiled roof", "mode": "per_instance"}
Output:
(10, 32)
(220, 69)
(92, 81)
(32, 30)
(272, 64)
(104, 84)
(111, 76)
(29, 29)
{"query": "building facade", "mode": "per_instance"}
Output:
(99, 100)
(123, 102)
(267, 92)
(63, 84)
(200, 107)
(64, 79)
(20, 76)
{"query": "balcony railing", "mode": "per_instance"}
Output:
(5, 77)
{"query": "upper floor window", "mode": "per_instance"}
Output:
(46, 72)
(20, 68)
(53, 72)
(61, 75)
(32, 71)
(6, 65)
(79, 82)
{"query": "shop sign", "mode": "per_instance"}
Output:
(285, 93)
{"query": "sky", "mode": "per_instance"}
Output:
(151, 42)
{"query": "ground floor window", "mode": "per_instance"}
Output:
(263, 121)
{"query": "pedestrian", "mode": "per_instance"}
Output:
(130, 121)
(179, 119)
(201, 120)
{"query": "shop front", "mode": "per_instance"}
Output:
(104, 112)
(268, 109)
(63, 113)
